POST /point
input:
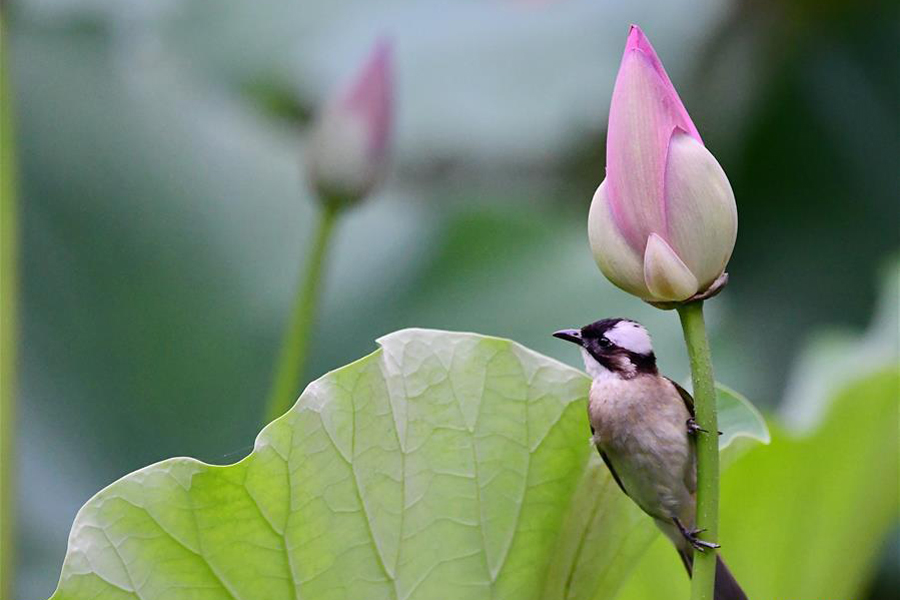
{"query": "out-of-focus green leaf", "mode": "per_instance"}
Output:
(9, 328)
(836, 358)
(806, 516)
(738, 418)
(275, 99)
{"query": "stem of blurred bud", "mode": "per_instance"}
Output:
(295, 348)
(346, 159)
(694, 329)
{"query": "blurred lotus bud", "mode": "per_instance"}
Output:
(663, 223)
(348, 153)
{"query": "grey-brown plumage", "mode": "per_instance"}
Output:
(652, 457)
(642, 425)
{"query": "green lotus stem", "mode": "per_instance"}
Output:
(694, 329)
(295, 348)
(8, 299)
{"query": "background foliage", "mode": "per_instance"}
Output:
(164, 213)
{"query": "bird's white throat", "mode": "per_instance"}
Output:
(594, 368)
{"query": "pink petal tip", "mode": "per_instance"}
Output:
(370, 93)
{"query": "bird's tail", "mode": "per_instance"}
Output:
(727, 587)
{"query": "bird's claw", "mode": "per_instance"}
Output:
(694, 428)
(697, 543)
(691, 536)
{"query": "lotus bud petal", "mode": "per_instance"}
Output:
(615, 257)
(348, 153)
(666, 275)
(702, 216)
(663, 224)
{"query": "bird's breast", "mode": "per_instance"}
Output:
(641, 420)
(640, 424)
(621, 410)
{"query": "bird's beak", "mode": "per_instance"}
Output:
(570, 335)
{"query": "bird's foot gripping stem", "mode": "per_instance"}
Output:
(691, 536)
(694, 428)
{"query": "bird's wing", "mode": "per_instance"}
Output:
(685, 396)
(611, 470)
(643, 507)
(690, 479)
(609, 466)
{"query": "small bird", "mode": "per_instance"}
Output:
(642, 423)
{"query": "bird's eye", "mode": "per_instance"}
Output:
(605, 343)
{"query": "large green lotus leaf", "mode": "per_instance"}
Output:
(444, 465)
(441, 466)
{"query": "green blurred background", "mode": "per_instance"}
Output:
(164, 214)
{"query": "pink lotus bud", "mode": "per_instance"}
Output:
(348, 153)
(663, 224)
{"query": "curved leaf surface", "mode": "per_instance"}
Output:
(738, 418)
(443, 465)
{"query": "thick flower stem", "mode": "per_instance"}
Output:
(694, 329)
(295, 348)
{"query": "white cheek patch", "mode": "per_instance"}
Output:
(630, 336)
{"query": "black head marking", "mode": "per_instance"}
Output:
(613, 357)
(598, 328)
